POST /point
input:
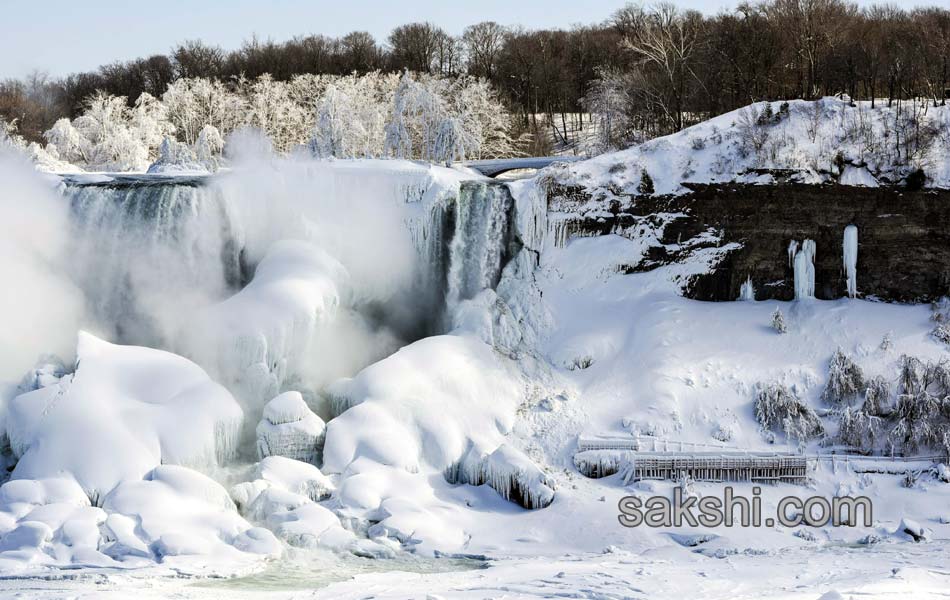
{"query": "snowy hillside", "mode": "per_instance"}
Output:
(831, 140)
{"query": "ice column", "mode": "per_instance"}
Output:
(747, 290)
(851, 259)
(804, 265)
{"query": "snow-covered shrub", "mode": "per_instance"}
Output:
(778, 321)
(845, 380)
(777, 409)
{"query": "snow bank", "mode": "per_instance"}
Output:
(123, 412)
(812, 142)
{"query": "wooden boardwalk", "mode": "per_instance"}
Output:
(715, 467)
(646, 457)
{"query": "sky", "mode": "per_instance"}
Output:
(65, 36)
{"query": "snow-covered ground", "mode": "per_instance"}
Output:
(373, 375)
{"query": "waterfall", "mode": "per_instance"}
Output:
(481, 240)
(850, 256)
(146, 250)
(804, 266)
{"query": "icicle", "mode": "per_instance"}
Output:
(792, 251)
(804, 265)
(851, 259)
(747, 290)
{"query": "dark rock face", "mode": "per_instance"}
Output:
(903, 236)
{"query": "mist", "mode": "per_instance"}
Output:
(40, 308)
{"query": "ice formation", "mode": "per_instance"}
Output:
(804, 267)
(850, 256)
(508, 471)
(290, 429)
(747, 290)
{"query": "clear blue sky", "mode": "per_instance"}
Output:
(63, 36)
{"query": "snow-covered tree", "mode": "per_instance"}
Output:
(208, 148)
(451, 141)
(777, 409)
(271, 109)
(845, 380)
(778, 322)
(193, 103)
(609, 101)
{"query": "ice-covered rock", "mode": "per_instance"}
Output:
(509, 472)
(290, 429)
(124, 411)
(912, 530)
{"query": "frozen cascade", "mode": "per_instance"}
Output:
(804, 265)
(851, 259)
(146, 247)
(481, 240)
(747, 290)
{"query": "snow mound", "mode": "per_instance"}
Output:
(284, 496)
(265, 330)
(290, 429)
(423, 405)
(124, 411)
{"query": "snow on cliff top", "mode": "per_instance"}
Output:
(823, 141)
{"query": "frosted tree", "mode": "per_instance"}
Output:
(609, 101)
(149, 123)
(68, 143)
(398, 134)
(483, 116)
(271, 109)
(418, 111)
(778, 321)
(111, 142)
(451, 141)
(777, 409)
(845, 380)
(193, 103)
(208, 148)
(334, 120)
(8, 136)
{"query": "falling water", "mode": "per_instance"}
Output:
(481, 240)
(145, 250)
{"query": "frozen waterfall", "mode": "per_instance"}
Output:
(804, 266)
(850, 255)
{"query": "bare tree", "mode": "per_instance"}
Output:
(483, 44)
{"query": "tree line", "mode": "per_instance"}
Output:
(651, 70)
